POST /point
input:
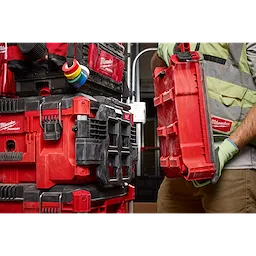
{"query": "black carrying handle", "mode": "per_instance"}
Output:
(71, 54)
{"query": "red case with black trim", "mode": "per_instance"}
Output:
(184, 126)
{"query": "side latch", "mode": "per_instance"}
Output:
(51, 125)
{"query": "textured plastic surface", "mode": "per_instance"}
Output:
(104, 59)
(26, 198)
(34, 51)
(69, 139)
(184, 128)
(106, 64)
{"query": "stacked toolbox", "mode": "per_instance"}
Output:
(67, 152)
(104, 60)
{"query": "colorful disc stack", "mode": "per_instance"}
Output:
(76, 74)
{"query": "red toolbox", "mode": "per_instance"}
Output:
(26, 198)
(184, 126)
(66, 139)
(104, 60)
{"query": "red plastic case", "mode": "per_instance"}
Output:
(184, 127)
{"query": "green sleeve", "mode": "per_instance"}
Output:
(165, 51)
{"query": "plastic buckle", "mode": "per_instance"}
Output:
(184, 56)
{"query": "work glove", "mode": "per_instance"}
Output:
(225, 152)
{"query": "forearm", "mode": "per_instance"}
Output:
(156, 61)
(246, 132)
(165, 50)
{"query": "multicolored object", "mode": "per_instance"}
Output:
(76, 74)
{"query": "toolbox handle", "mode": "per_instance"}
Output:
(11, 156)
(49, 194)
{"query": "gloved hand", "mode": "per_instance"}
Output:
(226, 151)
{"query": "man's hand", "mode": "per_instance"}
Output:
(226, 151)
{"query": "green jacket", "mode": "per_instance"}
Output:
(230, 83)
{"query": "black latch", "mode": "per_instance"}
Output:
(184, 56)
(52, 129)
(52, 126)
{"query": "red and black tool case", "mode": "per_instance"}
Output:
(184, 126)
(66, 139)
(104, 60)
(90, 198)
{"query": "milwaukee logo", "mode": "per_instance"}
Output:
(106, 64)
(221, 124)
(127, 116)
(9, 126)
